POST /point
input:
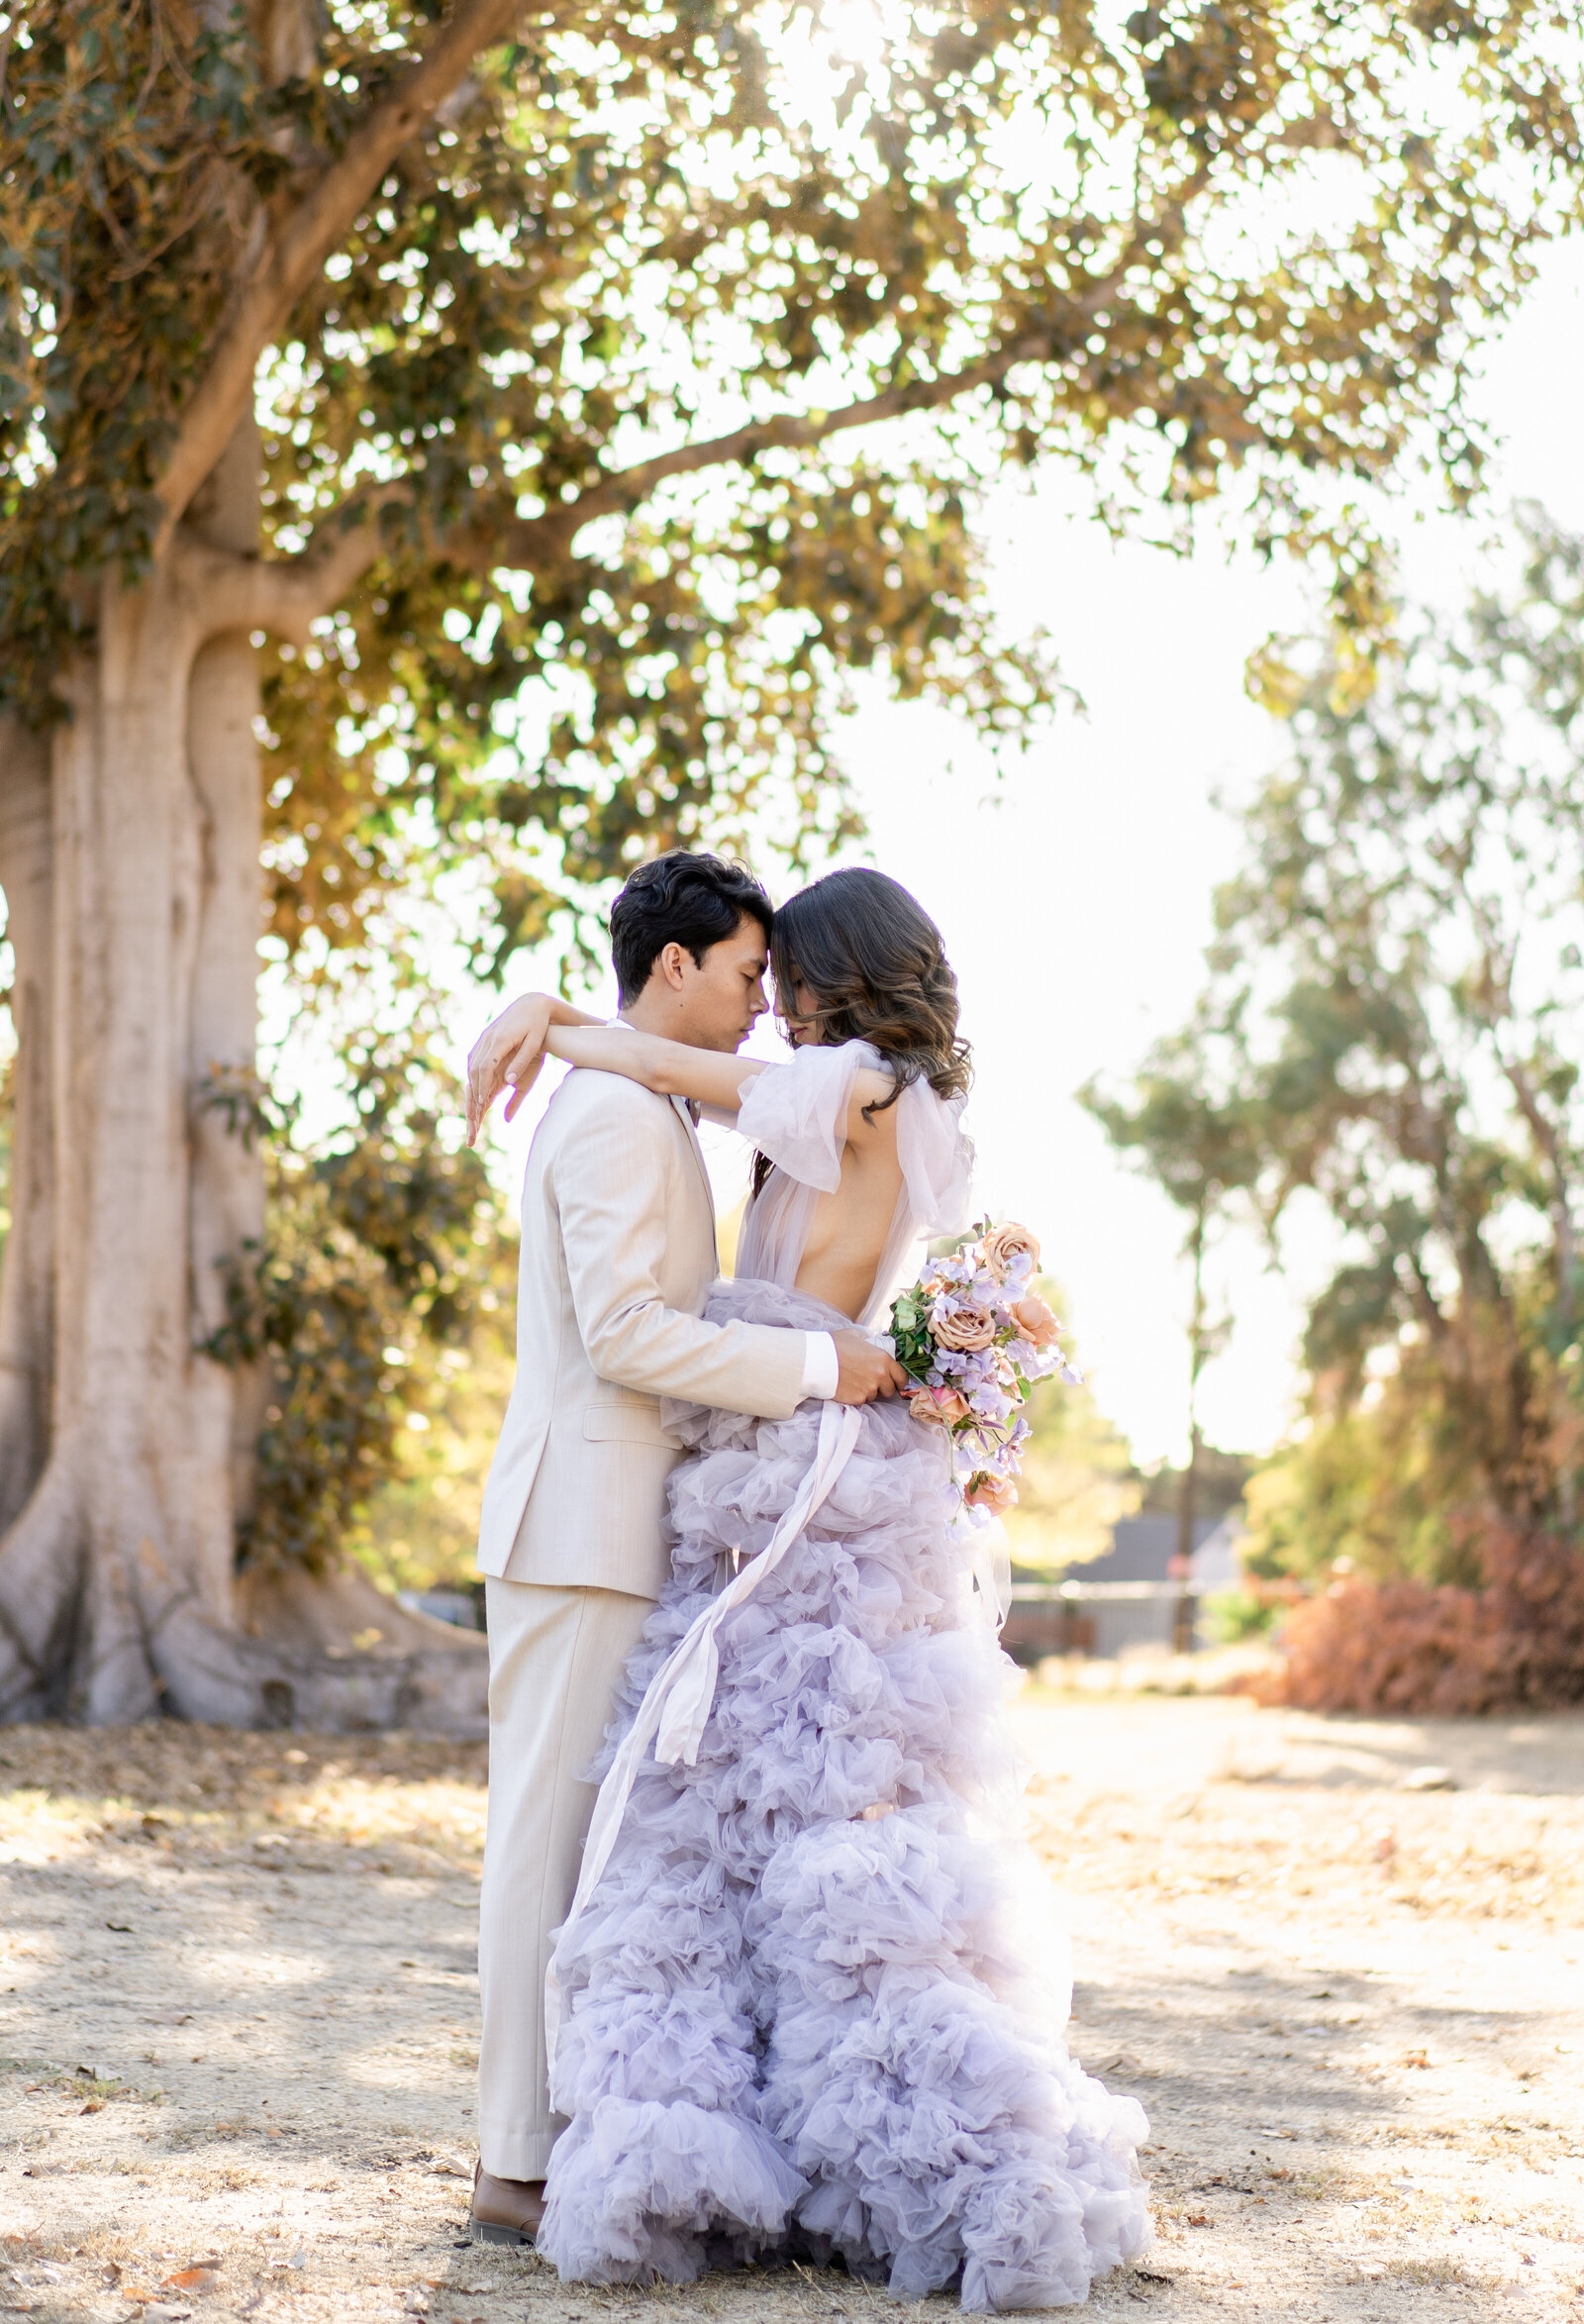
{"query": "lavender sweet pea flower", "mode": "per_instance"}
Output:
(990, 1403)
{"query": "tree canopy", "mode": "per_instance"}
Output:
(581, 330)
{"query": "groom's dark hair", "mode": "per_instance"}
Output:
(680, 899)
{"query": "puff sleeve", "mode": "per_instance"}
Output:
(797, 1113)
(936, 1157)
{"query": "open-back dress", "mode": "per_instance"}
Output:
(813, 2005)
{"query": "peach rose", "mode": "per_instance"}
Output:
(1035, 1321)
(991, 1492)
(1001, 1246)
(968, 1328)
(941, 1406)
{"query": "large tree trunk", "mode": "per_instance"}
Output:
(227, 1217)
(134, 905)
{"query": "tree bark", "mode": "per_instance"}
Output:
(227, 1203)
(141, 1428)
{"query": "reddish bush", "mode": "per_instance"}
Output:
(1404, 1647)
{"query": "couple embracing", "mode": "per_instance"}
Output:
(757, 1968)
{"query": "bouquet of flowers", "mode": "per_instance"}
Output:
(974, 1336)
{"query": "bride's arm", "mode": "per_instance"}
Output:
(716, 1079)
(509, 1051)
(673, 1069)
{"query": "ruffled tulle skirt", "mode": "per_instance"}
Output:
(813, 2006)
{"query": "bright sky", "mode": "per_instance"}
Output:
(1073, 890)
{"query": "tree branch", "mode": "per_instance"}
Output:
(538, 543)
(287, 594)
(300, 242)
(534, 544)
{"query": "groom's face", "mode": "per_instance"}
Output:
(719, 1002)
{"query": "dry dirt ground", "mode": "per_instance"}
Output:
(239, 1998)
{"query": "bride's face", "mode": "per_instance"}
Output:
(799, 1012)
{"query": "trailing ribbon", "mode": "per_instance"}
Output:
(992, 1569)
(677, 1702)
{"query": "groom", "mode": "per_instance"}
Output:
(617, 1256)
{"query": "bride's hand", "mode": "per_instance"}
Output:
(507, 1055)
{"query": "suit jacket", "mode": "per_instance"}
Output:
(617, 1256)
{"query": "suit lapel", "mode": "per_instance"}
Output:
(692, 1136)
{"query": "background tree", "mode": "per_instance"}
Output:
(537, 412)
(1415, 880)
(1188, 1123)
(1398, 983)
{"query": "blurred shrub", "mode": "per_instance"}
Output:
(1397, 1477)
(419, 1528)
(1414, 1648)
(1077, 1474)
(384, 1283)
(1232, 1615)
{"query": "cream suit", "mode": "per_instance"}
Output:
(617, 1256)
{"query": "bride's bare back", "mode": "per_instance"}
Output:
(849, 1230)
(845, 1230)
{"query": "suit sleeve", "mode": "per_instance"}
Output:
(615, 1187)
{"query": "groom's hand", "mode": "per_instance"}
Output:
(863, 1370)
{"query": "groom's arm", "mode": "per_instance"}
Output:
(616, 1190)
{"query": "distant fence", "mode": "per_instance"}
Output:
(1048, 1617)
(1068, 1592)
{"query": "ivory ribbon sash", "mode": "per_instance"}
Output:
(677, 1704)
(991, 1561)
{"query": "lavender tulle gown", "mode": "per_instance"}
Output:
(813, 2003)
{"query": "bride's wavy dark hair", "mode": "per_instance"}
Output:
(874, 961)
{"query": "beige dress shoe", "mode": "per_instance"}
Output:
(505, 2210)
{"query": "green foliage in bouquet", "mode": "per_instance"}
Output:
(910, 1333)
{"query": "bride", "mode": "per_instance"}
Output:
(808, 2000)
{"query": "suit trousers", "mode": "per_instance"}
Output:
(556, 1657)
